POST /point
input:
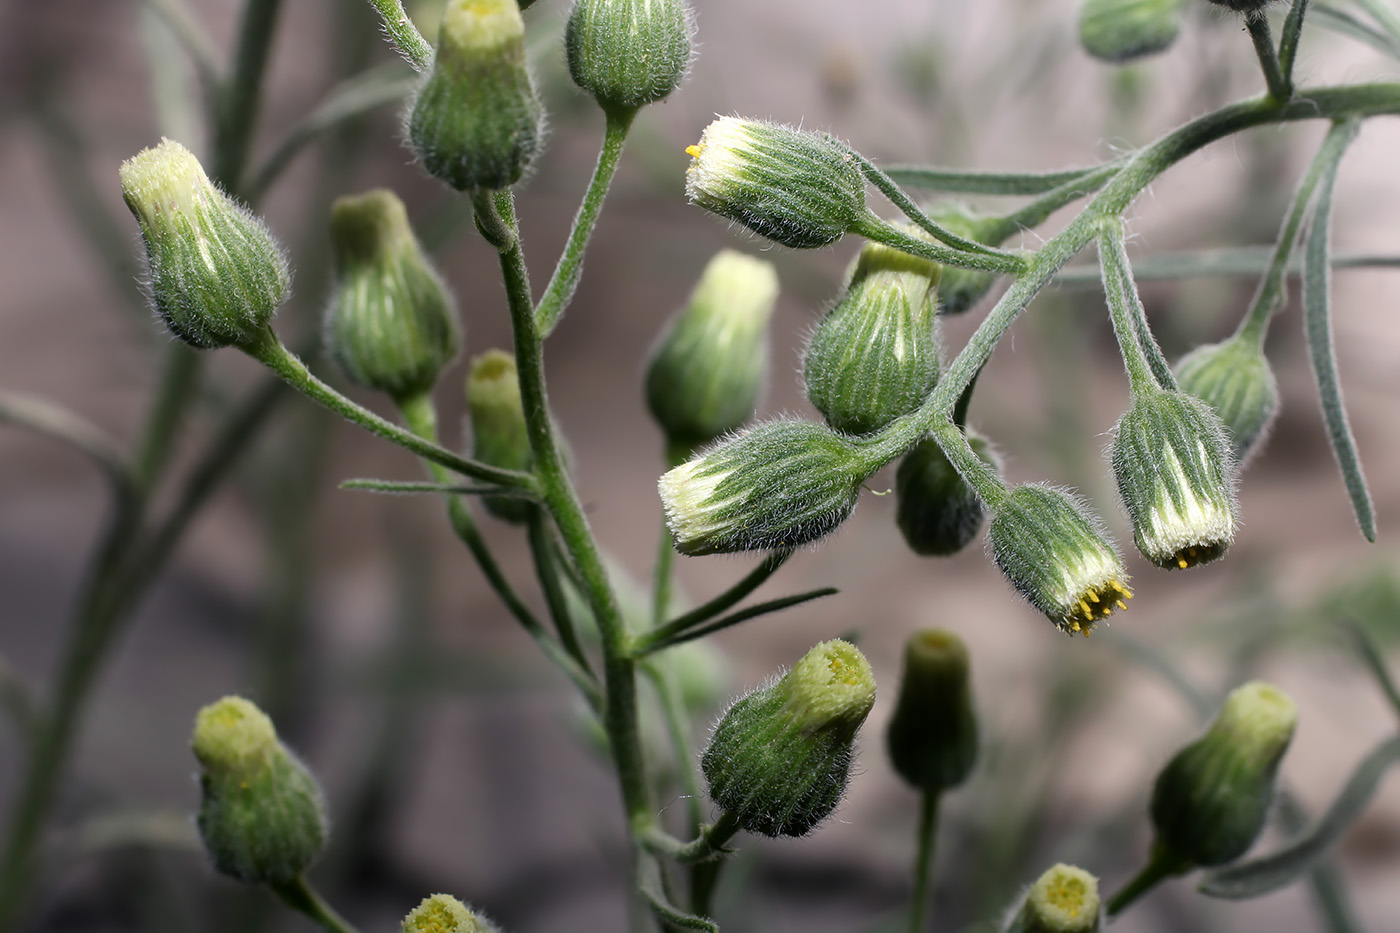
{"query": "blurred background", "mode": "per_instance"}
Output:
(452, 755)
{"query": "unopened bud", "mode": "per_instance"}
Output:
(1176, 479)
(1122, 30)
(391, 323)
(796, 188)
(705, 374)
(443, 913)
(1054, 553)
(476, 120)
(960, 289)
(780, 757)
(874, 356)
(937, 511)
(1235, 380)
(262, 815)
(627, 53)
(1210, 801)
(499, 435)
(776, 485)
(1063, 900)
(216, 273)
(932, 737)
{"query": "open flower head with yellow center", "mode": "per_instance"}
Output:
(796, 188)
(1065, 899)
(1176, 476)
(1052, 551)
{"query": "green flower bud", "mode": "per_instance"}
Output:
(1122, 30)
(874, 356)
(704, 376)
(391, 323)
(1210, 801)
(776, 485)
(1063, 900)
(796, 188)
(499, 435)
(938, 513)
(443, 913)
(262, 815)
(1176, 479)
(216, 273)
(780, 757)
(627, 53)
(932, 736)
(476, 120)
(1056, 556)
(1233, 378)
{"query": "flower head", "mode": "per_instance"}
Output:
(1064, 899)
(1053, 552)
(1176, 478)
(796, 188)
(1233, 377)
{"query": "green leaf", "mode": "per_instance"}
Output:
(666, 637)
(1343, 23)
(396, 487)
(1259, 876)
(1375, 661)
(1317, 317)
(931, 178)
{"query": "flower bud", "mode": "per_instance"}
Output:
(960, 289)
(1056, 556)
(874, 356)
(932, 736)
(780, 757)
(796, 188)
(627, 53)
(1210, 801)
(391, 323)
(499, 435)
(937, 511)
(476, 121)
(216, 273)
(1233, 378)
(704, 376)
(262, 815)
(443, 913)
(776, 485)
(1176, 479)
(1122, 30)
(1063, 900)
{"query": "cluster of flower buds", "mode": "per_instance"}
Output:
(1234, 378)
(936, 510)
(627, 53)
(443, 913)
(874, 356)
(932, 736)
(776, 485)
(780, 757)
(262, 815)
(1176, 477)
(704, 377)
(391, 323)
(1210, 801)
(216, 273)
(499, 435)
(1064, 899)
(1123, 30)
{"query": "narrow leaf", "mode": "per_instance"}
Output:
(1375, 660)
(1260, 876)
(1343, 23)
(931, 178)
(666, 639)
(396, 487)
(1317, 316)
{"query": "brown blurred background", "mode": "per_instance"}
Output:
(294, 592)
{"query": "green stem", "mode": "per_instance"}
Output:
(661, 577)
(1147, 368)
(299, 895)
(973, 469)
(923, 860)
(886, 186)
(710, 844)
(53, 421)
(729, 598)
(191, 35)
(557, 492)
(403, 34)
(570, 266)
(1280, 88)
(1288, 42)
(678, 729)
(1038, 211)
(881, 231)
(179, 386)
(1159, 868)
(269, 351)
(542, 551)
(420, 415)
(1272, 292)
(241, 95)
